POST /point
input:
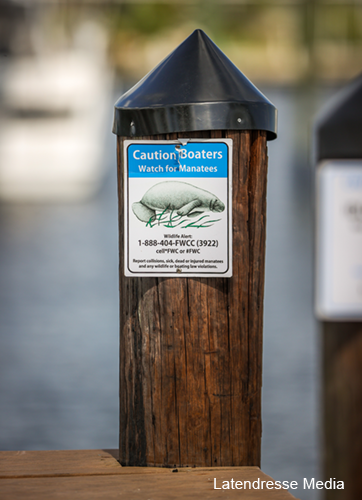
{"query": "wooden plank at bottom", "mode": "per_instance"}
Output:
(193, 484)
(96, 474)
(58, 463)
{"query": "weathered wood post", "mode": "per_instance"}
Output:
(192, 247)
(339, 286)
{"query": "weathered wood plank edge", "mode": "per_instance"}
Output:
(42, 474)
(16, 468)
(73, 463)
(123, 471)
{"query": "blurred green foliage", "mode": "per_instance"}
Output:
(244, 20)
(145, 19)
(274, 40)
(305, 38)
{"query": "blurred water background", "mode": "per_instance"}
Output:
(62, 66)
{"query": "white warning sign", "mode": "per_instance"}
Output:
(339, 240)
(178, 208)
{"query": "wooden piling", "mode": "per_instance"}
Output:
(338, 146)
(191, 348)
(342, 407)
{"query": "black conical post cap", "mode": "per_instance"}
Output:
(338, 127)
(195, 88)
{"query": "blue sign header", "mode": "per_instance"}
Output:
(194, 159)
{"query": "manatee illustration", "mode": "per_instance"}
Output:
(185, 198)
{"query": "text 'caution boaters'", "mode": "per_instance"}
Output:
(178, 208)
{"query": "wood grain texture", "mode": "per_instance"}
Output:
(84, 474)
(191, 485)
(342, 373)
(191, 348)
(58, 463)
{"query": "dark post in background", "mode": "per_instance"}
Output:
(191, 348)
(339, 136)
